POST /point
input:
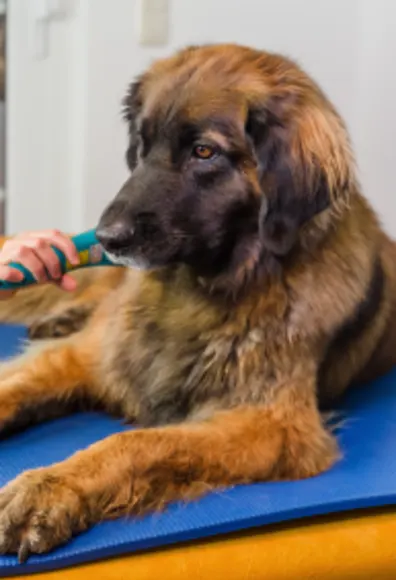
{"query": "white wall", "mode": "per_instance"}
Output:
(67, 141)
(374, 127)
(40, 136)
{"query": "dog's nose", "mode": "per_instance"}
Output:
(115, 236)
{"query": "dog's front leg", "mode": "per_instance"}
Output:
(45, 382)
(142, 470)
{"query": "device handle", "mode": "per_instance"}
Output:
(89, 250)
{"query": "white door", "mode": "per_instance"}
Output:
(65, 137)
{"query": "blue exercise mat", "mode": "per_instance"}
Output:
(364, 478)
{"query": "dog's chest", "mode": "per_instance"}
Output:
(176, 352)
(172, 360)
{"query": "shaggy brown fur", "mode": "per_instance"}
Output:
(270, 289)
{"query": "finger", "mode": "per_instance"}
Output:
(10, 274)
(28, 258)
(62, 242)
(47, 256)
(68, 283)
(8, 250)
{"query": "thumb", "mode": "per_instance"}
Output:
(68, 283)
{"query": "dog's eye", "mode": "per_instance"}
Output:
(204, 152)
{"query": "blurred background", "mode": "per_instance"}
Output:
(65, 65)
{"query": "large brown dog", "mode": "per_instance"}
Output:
(268, 288)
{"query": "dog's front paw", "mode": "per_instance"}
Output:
(61, 324)
(38, 511)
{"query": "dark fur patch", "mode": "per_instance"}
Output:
(357, 324)
(292, 197)
(31, 414)
(365, 311)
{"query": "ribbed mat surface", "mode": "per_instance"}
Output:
(366, 477)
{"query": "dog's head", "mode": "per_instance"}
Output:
(236, 157)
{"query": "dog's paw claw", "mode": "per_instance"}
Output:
(38, 511)
(24, 551)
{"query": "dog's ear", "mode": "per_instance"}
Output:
(131, 105)
(303, 169)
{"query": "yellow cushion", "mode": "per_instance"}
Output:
(358, 546)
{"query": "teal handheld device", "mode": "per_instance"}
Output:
(90, 251)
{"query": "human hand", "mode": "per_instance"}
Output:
(33, 251)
